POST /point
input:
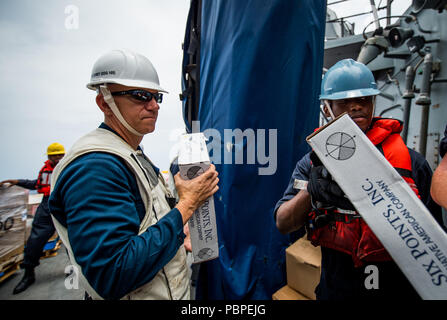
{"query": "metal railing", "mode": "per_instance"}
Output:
(345, 24)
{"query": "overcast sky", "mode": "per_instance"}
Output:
(44, 67)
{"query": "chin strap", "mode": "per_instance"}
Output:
(111, 102)
(328, 106)
(374, 105)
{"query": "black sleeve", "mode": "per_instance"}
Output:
(422, 175)
(28, 184)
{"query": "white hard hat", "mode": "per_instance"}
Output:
(127, 68)
(124, 67)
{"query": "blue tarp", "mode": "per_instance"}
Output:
(260, 68)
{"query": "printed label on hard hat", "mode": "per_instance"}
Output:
(103, 73)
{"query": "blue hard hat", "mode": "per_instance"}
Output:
(348, 79)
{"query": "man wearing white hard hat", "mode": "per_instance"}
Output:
(109, 202)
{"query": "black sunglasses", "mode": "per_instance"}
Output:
(141, 95)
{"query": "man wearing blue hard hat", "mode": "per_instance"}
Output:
(315, 202)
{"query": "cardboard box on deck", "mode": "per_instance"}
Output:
(13, 210)
(387, 204)
(303, 266)
(34, 201)
(194, 160)
(287, 293)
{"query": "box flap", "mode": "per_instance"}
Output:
(287, 293)
(192, 149)
(305, 252)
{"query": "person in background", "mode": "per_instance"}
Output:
(42, 228)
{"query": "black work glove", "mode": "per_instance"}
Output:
(325, 190)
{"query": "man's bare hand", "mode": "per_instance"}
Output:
(10, 182)
(193, 193)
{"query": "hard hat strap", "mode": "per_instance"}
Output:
(374, 104)
(328, 106)
(111, 102)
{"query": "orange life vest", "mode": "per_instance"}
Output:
(352, 235)
(44, 178)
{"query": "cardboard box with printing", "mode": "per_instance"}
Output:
(194, 160)
(13, 210)
(386, 202)
(303, 265)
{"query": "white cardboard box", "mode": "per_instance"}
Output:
(194, 160)
(391, 209)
